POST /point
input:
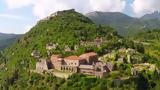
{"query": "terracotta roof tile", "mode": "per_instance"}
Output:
(55, 57)
(89, 54)
(73, 58)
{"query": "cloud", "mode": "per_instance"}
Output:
(108, 5)
(141, 7)
(45, 7)
(27, 28)
(13, 4)
(9, 16)
(42, 8)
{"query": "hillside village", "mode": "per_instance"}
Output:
(91, 63)
(86, 63)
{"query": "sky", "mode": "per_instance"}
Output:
(18, 16)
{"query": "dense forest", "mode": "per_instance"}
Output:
(69, 28)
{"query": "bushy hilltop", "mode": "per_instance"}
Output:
(65, 29)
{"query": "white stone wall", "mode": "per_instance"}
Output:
(41, 66)
(72, 62)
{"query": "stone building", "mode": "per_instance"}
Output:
(57, 61)
(67, 48)
(137, 68)
(86, 63)
(99, 69)
(87, 69)
(41, 65)
(74, 61)
(69, 64)
(90, 57)
(51, 46)
(35, 54)
(98, 41)
(110, 66)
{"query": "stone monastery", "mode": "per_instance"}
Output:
(86, 63)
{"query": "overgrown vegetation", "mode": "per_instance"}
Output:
(151, 43)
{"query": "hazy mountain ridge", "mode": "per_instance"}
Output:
(124, 24)
(7, 39)
(154, 15)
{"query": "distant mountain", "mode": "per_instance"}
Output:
(126, 25)
(151, 21)
(110, 17)
(7, 39)
(155, 15)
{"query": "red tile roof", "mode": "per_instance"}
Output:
(89, 54)
(55, 57)
(73, 58)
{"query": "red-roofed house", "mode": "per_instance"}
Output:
(71, 63)
(86, 63)
(90, 57)
(74, 61)
(57, 61)
(87, 69)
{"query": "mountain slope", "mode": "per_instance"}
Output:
(7, 39)
(125, 25)
(72, 29)
(65, 28)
